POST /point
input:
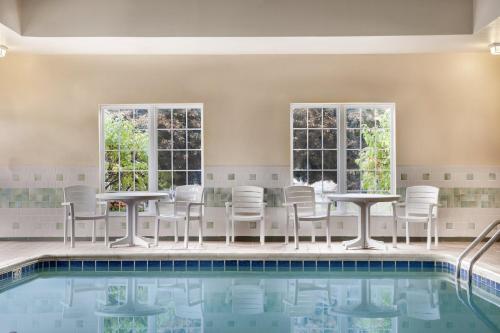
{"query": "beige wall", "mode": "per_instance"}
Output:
(448, 106)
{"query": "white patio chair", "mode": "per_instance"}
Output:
(300, 202)
(81, 205)
(247, 205)
(421, 206)
(188, 206)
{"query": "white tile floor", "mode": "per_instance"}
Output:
(15, 252)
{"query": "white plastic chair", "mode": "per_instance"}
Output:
(247, 205)
(420, 207)
(300, 202)
(81, 205)
(188, 206)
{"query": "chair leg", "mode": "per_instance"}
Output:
(286, 228)
(72, 228)
(407, 233)
(186, 233)
(429, 234)
(436, 237)
(313, 233)
(296, 234)
(93, 231)
(328, 238)
(106, 231)
(157, 231)
(65, 227)
(176, 231)
(262, 231)
(200, 230)
(232, 231)
(227, 230)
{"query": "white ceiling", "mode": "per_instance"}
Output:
(477, 40)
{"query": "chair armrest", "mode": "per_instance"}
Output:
(192, 204)
(102, 203)
(66, 203)
(228, 204)
(399, 204)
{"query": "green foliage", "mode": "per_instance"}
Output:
(374, 159)
(126, 145)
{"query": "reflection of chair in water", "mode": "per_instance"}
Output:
(247, 298)
(87, 292)
(421, 299)
(304, 296)
(187, 295)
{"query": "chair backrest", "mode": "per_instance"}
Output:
(248, 200)
(419, 198)
(185, 194)
(304, 197)
(82, 197)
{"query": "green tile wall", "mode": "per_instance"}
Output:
(462, 197)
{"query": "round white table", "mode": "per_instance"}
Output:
(131, 199)
(364, 201)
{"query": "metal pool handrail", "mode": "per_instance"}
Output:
(481, 251)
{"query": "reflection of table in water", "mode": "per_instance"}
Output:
(366, 309)
(131, 308)
(364, 201)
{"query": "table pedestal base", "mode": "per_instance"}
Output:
(131, 241)
(368, 244)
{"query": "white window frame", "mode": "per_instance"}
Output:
(153, 140)
(341, 138)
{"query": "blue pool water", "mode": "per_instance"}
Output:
(243, 302)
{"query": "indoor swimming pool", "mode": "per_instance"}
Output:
(326, 302)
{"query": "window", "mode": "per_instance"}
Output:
(151, 147)
(343, 147)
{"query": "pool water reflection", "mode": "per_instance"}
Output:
(240, 302)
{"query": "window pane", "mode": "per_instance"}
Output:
(315, 159)
(111, 182)
(194, 118)
(141, 119)
(314, 120)
(194, 177)
(164, 140)
(329, 159)
(353, 139)
(135, 140)
(383, 118)
(329, 118)
(112, 162)
(127, 160)
(352, 156)
(330, 139)
(314, 139)
(300, 177)
(141, 181)
(329, 181)
(300, 139)
(300, 118)
(194, 139)
(165, 118)
(368, 117)
(179, 160)
(352, 118)
(141, 160)
(314, 177)
(127, 181)
(179, 178)
(300, 159)
(179, 139)
(164, 160)
(164, 180)
(353, 181)
(179, 118)
(194, 160)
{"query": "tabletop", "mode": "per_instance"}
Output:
(363, 197)
(139, 195)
